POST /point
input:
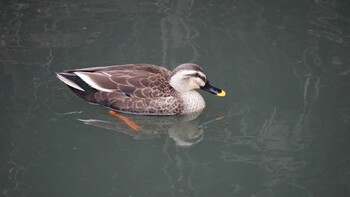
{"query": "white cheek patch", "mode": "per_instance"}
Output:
(193, 85)
(201, 83)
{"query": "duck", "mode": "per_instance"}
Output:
(142, 89)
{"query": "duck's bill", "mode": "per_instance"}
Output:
(210, 88)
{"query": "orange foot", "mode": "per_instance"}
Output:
(129, 122)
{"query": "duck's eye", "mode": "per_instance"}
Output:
(196, 75)
(200, 76)
(193, 75)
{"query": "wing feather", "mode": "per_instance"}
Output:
(128, 79)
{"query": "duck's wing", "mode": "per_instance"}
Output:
(133, 80)
(151, 68)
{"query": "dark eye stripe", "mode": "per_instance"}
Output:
(203, 78)
(197, 75)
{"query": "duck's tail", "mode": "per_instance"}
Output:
(77, 85)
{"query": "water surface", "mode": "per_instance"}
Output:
(282, 130)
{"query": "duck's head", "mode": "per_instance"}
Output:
(187, 77)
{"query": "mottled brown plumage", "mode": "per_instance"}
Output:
(135, 88)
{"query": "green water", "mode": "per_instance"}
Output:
(282, 130)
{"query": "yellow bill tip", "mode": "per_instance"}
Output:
(222, 93)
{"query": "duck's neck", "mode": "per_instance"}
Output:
(192, 102)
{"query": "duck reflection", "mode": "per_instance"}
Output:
(183, 129)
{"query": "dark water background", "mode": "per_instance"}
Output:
(282, 130)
